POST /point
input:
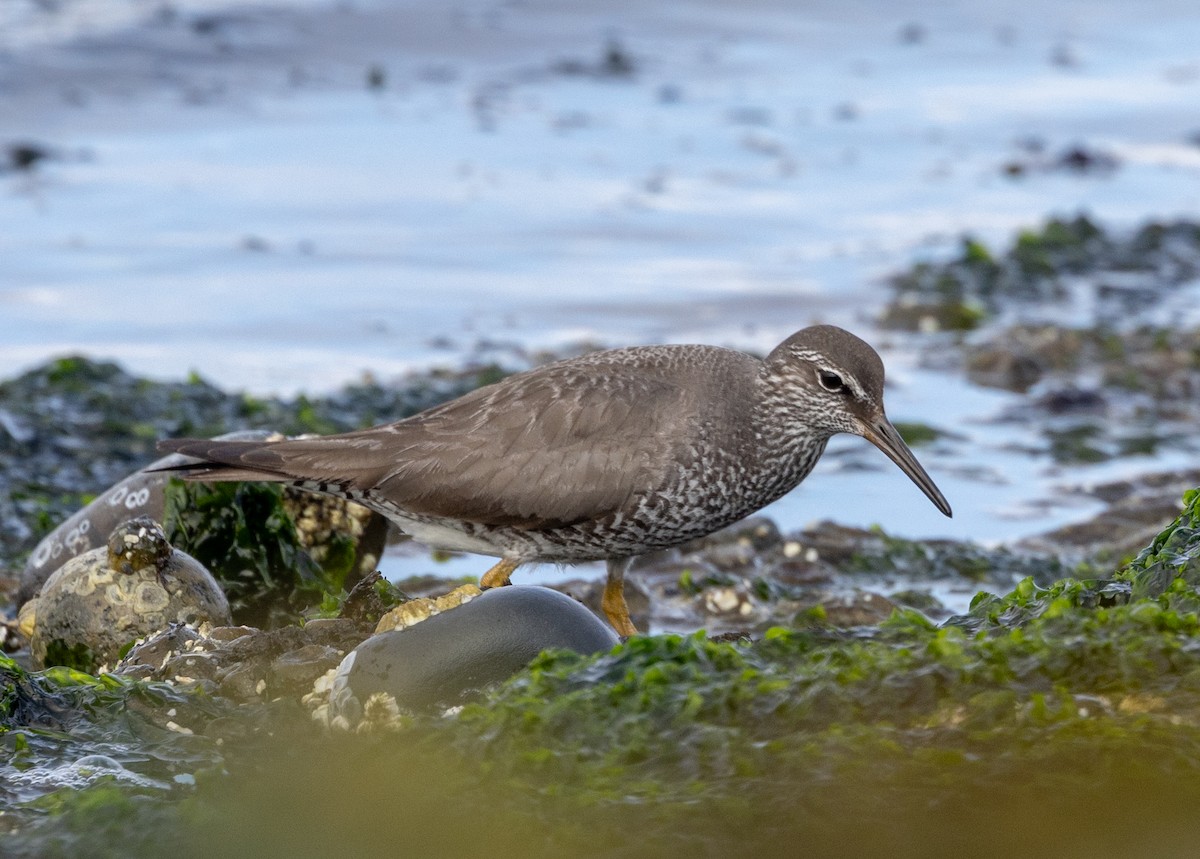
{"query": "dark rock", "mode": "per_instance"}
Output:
(1017, 358)
(445, 659)
(1080, 159)
(231, 633)
(24, 156)
(192, 666)
(1077, 159)
(835, 544)
(1073, 401)
(618, 62)
(336, 631)
(999, 368)
(615, 62)
(245, 664)
(243, 683)
(858, 608)
(294, 672)
(156, 650)
(922, 600)
(138, 544)
(734, 637)
(737, 548)
(731, 557)
(800, 571)
(1132, 518)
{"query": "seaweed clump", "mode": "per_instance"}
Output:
(1169, 568)
(1066, 689)
(244, 535)
(1039, 269)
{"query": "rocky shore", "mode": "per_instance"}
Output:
(835, 664)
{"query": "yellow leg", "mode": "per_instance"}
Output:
(498, 575)
(613, 601)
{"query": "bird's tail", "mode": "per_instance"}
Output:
(214, 459)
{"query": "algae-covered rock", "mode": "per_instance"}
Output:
(102, 600)
(139, 494)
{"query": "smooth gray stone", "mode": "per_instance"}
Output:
(442, 660)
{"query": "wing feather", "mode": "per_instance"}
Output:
(543, 449)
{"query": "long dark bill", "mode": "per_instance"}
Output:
(884, 436)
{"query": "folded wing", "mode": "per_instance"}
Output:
(540, 450)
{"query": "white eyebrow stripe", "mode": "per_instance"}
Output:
(822, 363)
(852, 384)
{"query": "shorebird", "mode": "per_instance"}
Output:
(601, 457)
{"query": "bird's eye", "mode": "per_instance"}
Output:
(831, 381)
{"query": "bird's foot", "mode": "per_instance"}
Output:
(615, 609)
(498, 575)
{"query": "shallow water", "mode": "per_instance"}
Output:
(226, 195)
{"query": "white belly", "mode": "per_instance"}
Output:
(447, 539)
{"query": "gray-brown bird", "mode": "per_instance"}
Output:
(601, 457)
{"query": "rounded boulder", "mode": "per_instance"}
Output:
(444, 660)
(106, 598)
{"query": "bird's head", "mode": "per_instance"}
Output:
(831, 382)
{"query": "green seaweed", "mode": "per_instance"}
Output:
(1170, 565)
(1000, 732)
(78, 655)
(917, 434)
(972, 286)
(368, 601)
(105, 820)
(244, 535)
